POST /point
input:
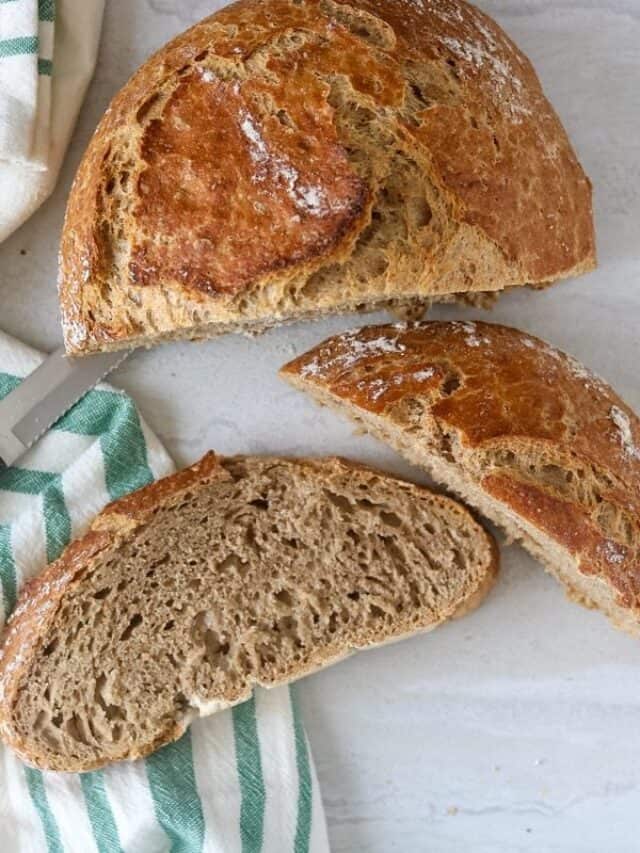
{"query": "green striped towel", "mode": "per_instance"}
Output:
(238, 782)
(48, 51)
(26, 59)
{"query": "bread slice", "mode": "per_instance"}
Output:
(233, 573)
(285, 159)
(521, 431)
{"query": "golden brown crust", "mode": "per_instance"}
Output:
(219, 170)
(535, 429)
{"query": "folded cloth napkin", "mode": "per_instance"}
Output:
(241, 781)
(48, 51)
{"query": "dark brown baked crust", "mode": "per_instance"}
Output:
(533, 428)
(219, 168)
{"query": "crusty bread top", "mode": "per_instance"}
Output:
(256, 148)
(236, 572)
(537, 430)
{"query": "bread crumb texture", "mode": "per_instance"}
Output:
(533, 439)
(233, 573)
(287, 158)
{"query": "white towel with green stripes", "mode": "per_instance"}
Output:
(26, 51)
(48, 50)
(241, 781)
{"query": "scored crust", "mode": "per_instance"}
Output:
(288, 158)
(42, 602)
(524, 432)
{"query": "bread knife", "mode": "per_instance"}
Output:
(28, 411)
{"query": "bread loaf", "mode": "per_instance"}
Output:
(521, 431)
(289, 158)
(233, 573)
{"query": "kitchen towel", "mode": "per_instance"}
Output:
(48, 51)
(241, 781)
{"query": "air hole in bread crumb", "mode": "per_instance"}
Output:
(202, 55)
(339, 501)
(232, 561)
(51, 647)
(135, 621)
(102, 593)
(354, 596)
(260, 503)
(73, 728)
(284, 597)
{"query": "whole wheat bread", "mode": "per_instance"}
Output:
(233, 573)
(521, 431)
(289, 158)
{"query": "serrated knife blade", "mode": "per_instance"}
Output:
(42, 397)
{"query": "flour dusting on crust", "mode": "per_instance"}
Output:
(613, 552)
(622, 423)
(376, 388)
(486, 54)
(353, 350)
(470, 330)
(308, 199)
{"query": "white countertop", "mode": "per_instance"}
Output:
(517, 728)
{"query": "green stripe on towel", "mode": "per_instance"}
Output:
(35, 783)
(115, 419)
(57, 523)
(175, 795)
(7, 381)
(19, 46)
(7, 570)
(25, 481)
(46, 10)
(305, 792)
(249, 766)
(103, 824)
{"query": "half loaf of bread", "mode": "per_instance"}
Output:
(233, 573)
(289, 158)
(523, 432)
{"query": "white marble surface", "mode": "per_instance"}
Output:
(517, 729)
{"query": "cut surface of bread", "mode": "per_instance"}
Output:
(233, 573)
(523, 432)
(285, 159)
